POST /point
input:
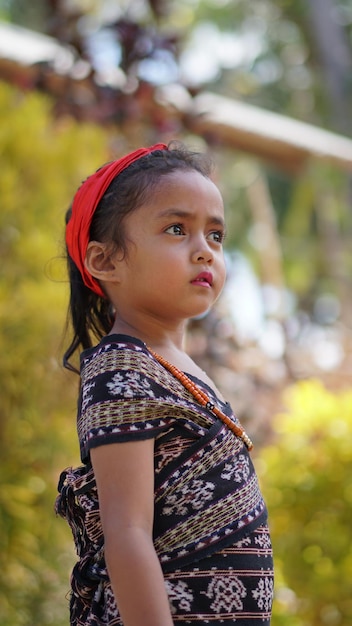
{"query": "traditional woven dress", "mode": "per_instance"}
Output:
(210, 521)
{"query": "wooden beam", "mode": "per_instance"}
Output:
(283, 140)
(27, 47)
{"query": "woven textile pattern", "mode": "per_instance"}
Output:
(207, 496)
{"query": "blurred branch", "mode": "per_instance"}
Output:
(269, 250)
(335, 60)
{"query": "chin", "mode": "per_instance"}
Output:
(195, 318)
(201, 314)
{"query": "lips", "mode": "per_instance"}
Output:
(204, 279)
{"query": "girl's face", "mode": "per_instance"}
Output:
(174, 268)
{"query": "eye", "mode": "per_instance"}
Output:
(218, 236)
(175, 229)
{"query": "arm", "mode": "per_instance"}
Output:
(124, 474)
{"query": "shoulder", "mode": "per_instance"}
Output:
(123, 358)
(115, 352)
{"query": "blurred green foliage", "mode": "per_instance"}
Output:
(306, 473)
(307, 480)
(42, 164)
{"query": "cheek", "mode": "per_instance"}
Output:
(222, 272)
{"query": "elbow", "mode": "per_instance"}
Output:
(121, 540)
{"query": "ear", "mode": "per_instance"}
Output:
(100, 262)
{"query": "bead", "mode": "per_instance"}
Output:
(203, 399)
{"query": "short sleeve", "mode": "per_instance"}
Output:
(126, 395)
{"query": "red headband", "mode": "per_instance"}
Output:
(83, 207)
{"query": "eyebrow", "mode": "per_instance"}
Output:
(179, 213)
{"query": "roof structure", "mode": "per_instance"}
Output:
(277, 138)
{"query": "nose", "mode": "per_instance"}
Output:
(202, 253)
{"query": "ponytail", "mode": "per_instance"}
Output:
(89, 315)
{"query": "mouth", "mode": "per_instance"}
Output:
(204, 279)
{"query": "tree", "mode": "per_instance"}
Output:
(307, 482)
(261, 53)
(293, 57)
(283, 56)
(42, 163)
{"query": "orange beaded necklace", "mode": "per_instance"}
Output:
(203, 399)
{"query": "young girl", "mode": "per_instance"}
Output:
(166, 512)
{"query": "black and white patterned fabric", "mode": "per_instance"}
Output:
(210, 528)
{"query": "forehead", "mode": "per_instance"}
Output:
(187, 189)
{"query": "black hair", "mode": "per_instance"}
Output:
(90, 315)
